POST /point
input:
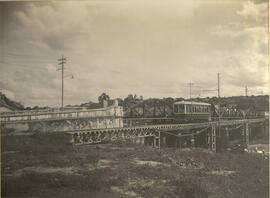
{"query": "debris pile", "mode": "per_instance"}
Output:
(187, 163)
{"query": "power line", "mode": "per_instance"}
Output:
(26, 66)
(27, 56)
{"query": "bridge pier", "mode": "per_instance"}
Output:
(245, 135)
(266, 128)
(211, 138)
(156, 142)
(227, 137)
(188, 140)
(250, 133)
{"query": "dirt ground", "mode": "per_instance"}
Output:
(48, 166)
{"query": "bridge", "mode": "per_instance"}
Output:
(108, 124)
(208, 132)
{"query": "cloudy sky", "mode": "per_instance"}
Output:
(150, 48)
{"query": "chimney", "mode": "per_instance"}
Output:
(105, 103)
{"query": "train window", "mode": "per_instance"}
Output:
(181, 108)
(175, 108)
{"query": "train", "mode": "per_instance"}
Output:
(191, 111)
(181, 112)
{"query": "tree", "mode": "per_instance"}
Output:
(102, 97)
(129, 99)
(36, 107)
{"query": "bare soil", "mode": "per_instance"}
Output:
(45, 166)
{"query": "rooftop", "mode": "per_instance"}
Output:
(193, 103)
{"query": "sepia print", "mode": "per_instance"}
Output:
(134, 99)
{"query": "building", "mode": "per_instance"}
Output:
(5, 108)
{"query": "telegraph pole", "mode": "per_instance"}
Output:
(246, 91)
(218, 92)
(218, 87)
(190, 85)
(62, 62)
(218, 104)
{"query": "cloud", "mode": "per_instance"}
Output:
(151, 48)
(247, 61)
(252, 11)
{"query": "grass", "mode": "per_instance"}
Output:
(250, 179)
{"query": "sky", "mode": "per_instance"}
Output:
(151, 48)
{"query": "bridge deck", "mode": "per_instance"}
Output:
(173, 127)
(42, 116)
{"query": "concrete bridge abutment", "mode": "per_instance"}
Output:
(211, 138)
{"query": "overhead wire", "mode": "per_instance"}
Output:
(25, 60)
(185, 135)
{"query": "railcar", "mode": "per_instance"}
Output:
(189, 111)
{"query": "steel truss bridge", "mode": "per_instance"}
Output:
(104, 133)
(93, 136)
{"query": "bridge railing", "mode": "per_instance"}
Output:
(112, 111)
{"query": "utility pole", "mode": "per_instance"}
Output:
(191, 107)
(218, 104)
(190, 85)
(218, 87)
(218, 93)
(62, 62)
(246, 91)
